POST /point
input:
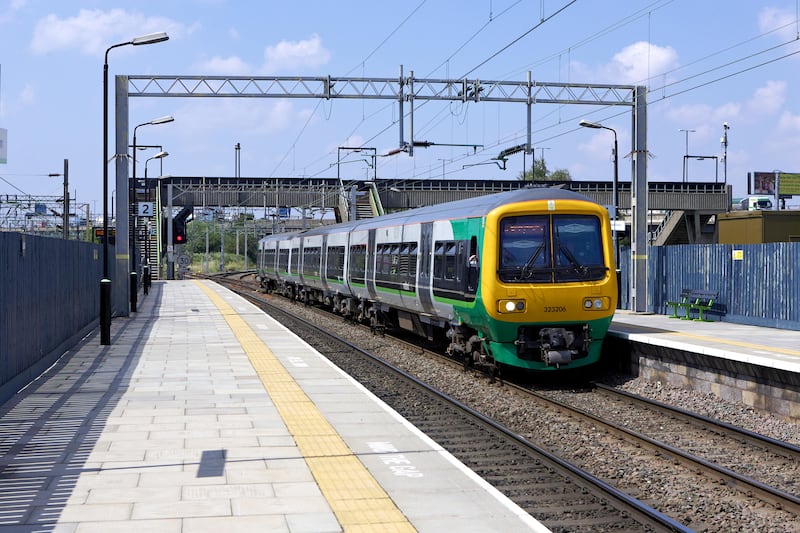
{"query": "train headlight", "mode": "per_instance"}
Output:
(598, 303)
(511, 306)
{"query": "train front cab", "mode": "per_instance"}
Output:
(550, 288)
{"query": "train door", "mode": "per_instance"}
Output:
(323, 267)
(473, 270)
(424, 287)
(408, 266)
(370, 266)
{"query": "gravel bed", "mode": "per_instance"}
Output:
(707, 404)
(699, 503)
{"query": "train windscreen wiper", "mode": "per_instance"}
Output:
(574, 263)
(527, 269)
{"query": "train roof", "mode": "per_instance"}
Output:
(468, 208)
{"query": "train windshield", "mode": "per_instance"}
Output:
(551, 249)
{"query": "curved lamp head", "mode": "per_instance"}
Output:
(150, 38)
(161, 120)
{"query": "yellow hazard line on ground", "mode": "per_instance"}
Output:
(356, 498)
(741, 344)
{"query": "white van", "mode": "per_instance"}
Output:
(756, 203)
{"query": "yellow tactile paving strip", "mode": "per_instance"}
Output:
(357, 500)
(740, 344)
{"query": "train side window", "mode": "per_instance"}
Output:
(402, 269)
(438, 260)
(311, 261)
(283, 261)
(335, 267)
(384, 260)
(450, 268)
(358, 262)
(395, 260)
(412, 261)
(295, 261)
(268, 260)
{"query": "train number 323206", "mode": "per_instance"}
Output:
(555, 309)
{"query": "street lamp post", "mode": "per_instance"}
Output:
(65, 214)
(724, 142)
(685, 161)
(134, 216)
(105, 283)
(614, 194)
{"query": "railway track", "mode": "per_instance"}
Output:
(698, 450)
(562, 496)
(753, 464)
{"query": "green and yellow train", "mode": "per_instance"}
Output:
(522, 279)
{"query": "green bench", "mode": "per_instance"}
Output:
(693, 300)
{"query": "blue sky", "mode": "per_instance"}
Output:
(704, 63)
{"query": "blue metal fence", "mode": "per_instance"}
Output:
(757, 284)
(49, 298)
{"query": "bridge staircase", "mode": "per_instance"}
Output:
(365, 202)
(685, 227)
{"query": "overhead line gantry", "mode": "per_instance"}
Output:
(405, 90)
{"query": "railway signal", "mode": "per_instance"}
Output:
(179, 225)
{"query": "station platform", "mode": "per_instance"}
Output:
(773, 348)
(205, 414)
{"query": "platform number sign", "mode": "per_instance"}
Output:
(145, 209)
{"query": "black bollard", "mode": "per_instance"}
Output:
(146, 280)
(134, 291)
(105, 312)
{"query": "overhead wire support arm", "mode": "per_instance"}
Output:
(328, 87)
(401, 89)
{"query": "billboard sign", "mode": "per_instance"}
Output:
(766, 182)
(789, 183)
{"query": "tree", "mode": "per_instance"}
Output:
(539, 172)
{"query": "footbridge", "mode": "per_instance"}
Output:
(678, 212)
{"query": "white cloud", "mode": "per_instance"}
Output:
(92, 31)
(295, 55)
(27, 97)
(600, 145)
(286, 57)
(226, 66)
(8, 15)
(768, 99)
(248, 116)
(638, 62)
(790, 122)
(689, 115)
(633, 65)
(780, 20)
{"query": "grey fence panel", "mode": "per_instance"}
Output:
(49, 296)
